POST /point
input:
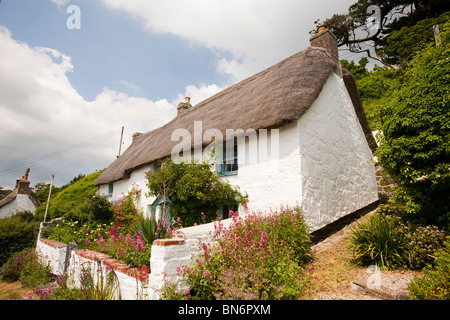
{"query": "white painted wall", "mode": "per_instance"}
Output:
(276, 181)
(55, 256)
(122, 187)
(21, 203)
(338, 174)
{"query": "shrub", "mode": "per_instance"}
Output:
(133, 250)
(191, 188)
(435, 283)
(98, 208)
(17, 233)
(148, 229)
(377, 241)
(26, 267)
(257, 257)
(420, 244)
(65, 231)
(386, 240)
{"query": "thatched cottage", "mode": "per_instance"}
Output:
(304, 113)
(21, 199)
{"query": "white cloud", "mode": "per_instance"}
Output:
(48, 126)
(257, 33)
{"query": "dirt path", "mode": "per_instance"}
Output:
(334, 273)
(15, 290)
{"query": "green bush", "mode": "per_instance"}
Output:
(415, 145)
(378, 242)
(65, 231)
(435, 283)
(192, 189)
(26, 267)
(17, 233)
(98, 208)
(148, 229)
(390, 242)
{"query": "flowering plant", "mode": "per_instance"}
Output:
(259, 256)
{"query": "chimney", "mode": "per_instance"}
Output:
(22, 186)
(184, 106)
(325, 39)
(135, 135)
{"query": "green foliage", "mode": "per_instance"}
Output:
(357, 70)
(390, 242)
(65, 231)
(415, 146)
(97, 208)
(4, 193)
(258, 257)
(375, 89)
(71, 199)
(192, 188)
(17, 233)
(347, 27)
(26, 267)
(435, 283)
(401, 45)
(377, 242)
(126, 214)
(148, 229)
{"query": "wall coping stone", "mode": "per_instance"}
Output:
(169, 242)
(53, 243)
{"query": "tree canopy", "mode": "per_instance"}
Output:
(368, 23)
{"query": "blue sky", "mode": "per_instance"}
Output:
(66, 93)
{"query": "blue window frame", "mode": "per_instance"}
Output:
(110, 189)
(229, 163)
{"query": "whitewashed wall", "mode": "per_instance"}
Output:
(337, 171)
(52, 253)
(21, 203)
(276, 181)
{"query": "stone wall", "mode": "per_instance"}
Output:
(385, 183)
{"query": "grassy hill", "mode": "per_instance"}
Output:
(69, 200)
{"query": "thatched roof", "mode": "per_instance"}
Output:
(271, 98)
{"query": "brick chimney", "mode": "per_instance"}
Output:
(182, 106)
(325, 39)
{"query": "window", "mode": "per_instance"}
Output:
(229, 163)
(110, 189)
(226, 208)
(156, 166)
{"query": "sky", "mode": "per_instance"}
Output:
(74, 72)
